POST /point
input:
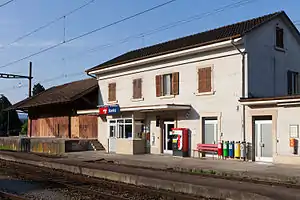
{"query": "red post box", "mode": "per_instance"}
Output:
(180, 142)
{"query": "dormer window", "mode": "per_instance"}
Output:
(279, 38)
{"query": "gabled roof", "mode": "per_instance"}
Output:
(59, 94)
(200, 39)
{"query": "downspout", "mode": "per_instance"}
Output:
(243, 54)
(91, 76)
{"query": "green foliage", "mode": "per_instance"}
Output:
(37, 88)
(14, 121)
(24, 128)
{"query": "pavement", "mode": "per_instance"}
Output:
(282, 173)
(220, 179)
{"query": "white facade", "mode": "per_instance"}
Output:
(265, 76)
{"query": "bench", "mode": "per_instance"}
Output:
(206, 148)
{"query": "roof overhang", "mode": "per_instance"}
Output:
(146, 108)
(286, 101)
(177, 54)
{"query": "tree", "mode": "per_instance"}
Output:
(24, 128)
(14, 121)
(37, 88)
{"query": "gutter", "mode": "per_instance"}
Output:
(243, 54)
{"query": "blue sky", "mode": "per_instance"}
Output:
(68, 62)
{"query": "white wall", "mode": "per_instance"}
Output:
(226, 83)
(267, 66)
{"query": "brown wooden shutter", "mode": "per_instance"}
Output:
(139, 88)
(112, 92)
(134, 89)
(158, 85)
(175, 83)
(208, 79)
(204, 80)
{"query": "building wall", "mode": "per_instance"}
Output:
(267, 67)
(282, 118)
(223, 102)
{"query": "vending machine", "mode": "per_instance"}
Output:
(180, 142)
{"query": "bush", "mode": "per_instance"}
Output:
(24, 128)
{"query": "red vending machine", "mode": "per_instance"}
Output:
(180, 142)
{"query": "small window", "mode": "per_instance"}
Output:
(137, 88)
(204, 80)
(279, 38)
(167, 84)
(112, 92)
(293, 82)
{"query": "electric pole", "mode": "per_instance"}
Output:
(16, 76)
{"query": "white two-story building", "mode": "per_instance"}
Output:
(197, 82)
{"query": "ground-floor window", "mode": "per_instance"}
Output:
(120, 128)
(123, 128)
(210, 130)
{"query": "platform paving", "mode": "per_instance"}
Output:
(238, 168)
(119, 168)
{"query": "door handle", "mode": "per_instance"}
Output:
(262, 145)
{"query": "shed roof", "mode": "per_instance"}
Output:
(200, 39)
(59, 94)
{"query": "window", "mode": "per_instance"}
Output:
(293, 82)
(167, 84)
(112, 92)
(120, 128)
(279, 38)
(137, 88)
(204, 80)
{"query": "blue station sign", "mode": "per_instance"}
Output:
(109, 110)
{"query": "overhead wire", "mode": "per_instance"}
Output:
(46, 25)
(8, 2)
(88, 33)
(162, 28)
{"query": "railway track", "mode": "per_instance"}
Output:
(9, 196)
(92, 187)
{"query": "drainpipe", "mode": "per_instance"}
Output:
(91, 76)
(243, 54)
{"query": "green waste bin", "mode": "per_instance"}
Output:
(225, 148)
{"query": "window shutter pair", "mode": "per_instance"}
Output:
(137, 88)
(112, 92)
(204, 80)
(174, 84)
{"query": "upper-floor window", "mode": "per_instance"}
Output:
(279, 38)
(112, 92)
(167, 84)
(293, 82)
(204, 80)
(137, 88)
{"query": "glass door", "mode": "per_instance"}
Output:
(167, 137)
(112, 136)
(263, 140)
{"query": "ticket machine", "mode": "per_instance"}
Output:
(180, 142)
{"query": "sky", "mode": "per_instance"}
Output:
(68, 62)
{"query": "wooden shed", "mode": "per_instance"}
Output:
(53, 113)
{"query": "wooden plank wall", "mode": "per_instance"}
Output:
(50, 127)
(83, 126)
(88, 126)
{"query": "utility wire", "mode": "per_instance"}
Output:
(162, 28)
(87, 33)
(46, 25)
(8, 2)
